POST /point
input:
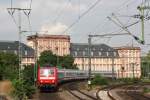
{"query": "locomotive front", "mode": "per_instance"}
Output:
(47, 77)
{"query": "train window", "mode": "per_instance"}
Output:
(51, 72)
(46, 72)
(41, 71)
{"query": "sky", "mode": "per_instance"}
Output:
(77, 18)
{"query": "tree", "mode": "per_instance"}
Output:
(67, 62)
(9, 70)
(146, 65)
(8, 65)
(47, 58)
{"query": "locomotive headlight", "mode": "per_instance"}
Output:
(53, 81)
(41, 81)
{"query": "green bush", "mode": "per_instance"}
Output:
(25, 86)
(29, 90)
(99, 80)
(28, 74)
(22, 89)
(130, 80)
(146, 90)
(19, 91)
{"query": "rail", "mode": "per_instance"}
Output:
(133, 93)
(109, 88)
(82, 93)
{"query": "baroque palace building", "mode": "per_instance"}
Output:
(27, 53)
(58, 44)
(125, 61)
(130, 59)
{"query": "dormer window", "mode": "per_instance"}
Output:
(115, 54)
(92, 53)
(107, 53)
(83, 53)
(25, 52)
(99, 53)
(75, 53)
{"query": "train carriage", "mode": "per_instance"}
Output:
(52, 76)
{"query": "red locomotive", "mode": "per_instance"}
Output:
(47, 77)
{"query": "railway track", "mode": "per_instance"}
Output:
(81, 95)
(78, 91)
(105, 94)
(135, 94)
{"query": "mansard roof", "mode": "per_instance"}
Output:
(97, 50)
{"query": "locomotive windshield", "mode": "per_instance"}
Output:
(46, 72)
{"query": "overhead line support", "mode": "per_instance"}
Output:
(11, 11)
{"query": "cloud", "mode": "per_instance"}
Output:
(75, 7)
(58, 28)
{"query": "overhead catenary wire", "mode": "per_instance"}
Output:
(79, 8)
(27, 13)
(147, 12)
(129, 19)
(81, 16)
(123, 27)
(30, 4)
(127, 2)
(11, 12)
(99, 25)
(11, 3)
(121, 24)
(116, 9)
(60, 12)
(29, 21)
(114, 32)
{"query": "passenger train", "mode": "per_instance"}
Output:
(52, 76)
